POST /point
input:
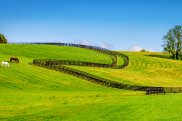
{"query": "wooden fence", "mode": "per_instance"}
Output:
(58, 65)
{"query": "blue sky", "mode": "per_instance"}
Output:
(115, 24)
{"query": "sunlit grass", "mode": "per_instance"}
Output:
(51, 52)
(31, 93)
(144, 70)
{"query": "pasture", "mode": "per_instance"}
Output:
(145, 68)
(29, 92)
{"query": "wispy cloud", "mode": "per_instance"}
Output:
(135, 48)
(106, 45)
(86, 42)
(82, 42)
(138, 48)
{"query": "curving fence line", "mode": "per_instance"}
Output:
(114, 55)
(58, 65)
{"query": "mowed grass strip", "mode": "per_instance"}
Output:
(23, 76)
(31, 93)
(144, 70)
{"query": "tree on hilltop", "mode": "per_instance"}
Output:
(173, 41)
(3, 39)
(143, 50)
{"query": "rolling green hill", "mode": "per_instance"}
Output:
(145, 68)
(51, 52)
(25, 77)
(32, 93)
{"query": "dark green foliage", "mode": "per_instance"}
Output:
(143, 50)
(3, 39)
(173, 41)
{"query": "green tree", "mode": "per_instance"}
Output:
(172, 41)
(143, 50)
(3, 39)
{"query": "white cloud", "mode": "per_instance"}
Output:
(83, 42)
(136, 48)
(150, 50)
(106, 45)
(86, 42)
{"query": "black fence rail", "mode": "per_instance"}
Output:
(87, 76)
(102, 81)
(50, 62)
(58, 65)
(111, 53)
(173, 89)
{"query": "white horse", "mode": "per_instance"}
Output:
(4, 64)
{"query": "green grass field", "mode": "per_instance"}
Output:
(51, 52)
(32, 93)
(144, 69)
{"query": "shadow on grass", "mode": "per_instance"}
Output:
(160, 56)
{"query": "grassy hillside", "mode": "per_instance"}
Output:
(152, 69)
(33, 93)
(30, 93)
(30, 52)
(23, 76)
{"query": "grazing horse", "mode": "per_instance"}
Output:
(4, 64)
(15, 59)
